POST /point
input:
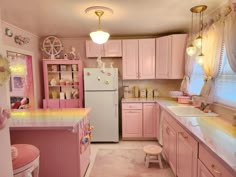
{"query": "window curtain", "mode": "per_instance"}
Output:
(189, 63)
(212, 49)
(230, 39)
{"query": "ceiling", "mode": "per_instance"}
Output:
(67, 18)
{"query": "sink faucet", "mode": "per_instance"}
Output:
(203, 106)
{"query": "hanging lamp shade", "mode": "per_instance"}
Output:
(99, 36)
(191, 50)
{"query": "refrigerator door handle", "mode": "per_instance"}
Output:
(116, 111)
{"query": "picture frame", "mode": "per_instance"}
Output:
(17, 82)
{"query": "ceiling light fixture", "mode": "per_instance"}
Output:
(99, 36)
(191, 49)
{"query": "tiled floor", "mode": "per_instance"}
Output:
(121, 145)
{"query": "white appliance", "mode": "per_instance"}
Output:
(101, 95)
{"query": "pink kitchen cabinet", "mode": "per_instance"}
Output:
(138, 59)
(203, 171)
(187, 151)
(130, 59)
(216, 168)
(149, 120)
(179, 147)
(139, 120)
(112, 48)
(170, 56)
(132, 119)
(63, 83)
(169, 145)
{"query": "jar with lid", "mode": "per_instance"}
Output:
(156, 93)
(149, 93)
(126, 92)
(136, 92)
(143, 93)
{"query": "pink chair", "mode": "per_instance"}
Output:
(25, 160)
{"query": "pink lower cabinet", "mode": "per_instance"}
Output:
(203, 171)
(169, 145)
(149, 120)
(187, 150)
(132, 120)
(210, 161)
(139, 120)
(180, 149)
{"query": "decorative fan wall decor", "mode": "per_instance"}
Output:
(4, 70)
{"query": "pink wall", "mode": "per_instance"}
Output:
(5, 153)
(32, 47)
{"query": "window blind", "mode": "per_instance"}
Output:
(225, 84)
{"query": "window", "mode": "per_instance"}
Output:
(225, 84)
(196, 80)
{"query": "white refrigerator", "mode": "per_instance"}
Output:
(101, 95)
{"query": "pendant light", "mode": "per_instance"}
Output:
(199, 10)
(99, 36)
(191, 49)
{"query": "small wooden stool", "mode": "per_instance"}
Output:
(150, 152)
(26, 162)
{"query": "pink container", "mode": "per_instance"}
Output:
(183, 99)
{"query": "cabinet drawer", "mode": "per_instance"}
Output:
(213, 165)
(132, 106)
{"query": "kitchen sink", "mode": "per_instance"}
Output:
(189, 111)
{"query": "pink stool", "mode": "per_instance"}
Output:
(25, 160)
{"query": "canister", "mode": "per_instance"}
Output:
(149, 93)
(143, 93)
(126, 92)
(136, 92)
(156, 93)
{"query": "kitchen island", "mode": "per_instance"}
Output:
(62, 136)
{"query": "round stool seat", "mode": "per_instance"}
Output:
(152, 149)
(152, 154)
(26, 154)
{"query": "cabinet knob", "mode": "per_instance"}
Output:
(88, 74)
(183, 135)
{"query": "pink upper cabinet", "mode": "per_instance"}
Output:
(147, 59)
(111, 48)
(170, 54)
(130, 59)
(139, 59)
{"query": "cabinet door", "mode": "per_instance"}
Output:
(178, 46)
(93, 49)
(203, 171)
(130, 59)
(158, 113)
(147, 58)
(149, 120)
(162, 57)
(187, 149)
(132, 123)
(172, 148)
(112, 48)
(165, 134)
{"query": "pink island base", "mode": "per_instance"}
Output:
(59, 135)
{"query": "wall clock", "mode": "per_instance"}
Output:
(52, 46)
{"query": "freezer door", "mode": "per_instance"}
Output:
(100, 79)
(104, 115)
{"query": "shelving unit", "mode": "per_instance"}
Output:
(63, 83)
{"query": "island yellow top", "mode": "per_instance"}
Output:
(47, 118)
